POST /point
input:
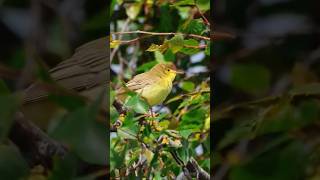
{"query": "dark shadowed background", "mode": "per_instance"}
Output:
(36, 35)
(266, 90)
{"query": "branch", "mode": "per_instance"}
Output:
(125, 26)
(121, 110)
(163, 34)
(206, 21)
(34, 143)
(192, 169)
(221, 36)
(215, 36)
(196, 47)
(119, 107)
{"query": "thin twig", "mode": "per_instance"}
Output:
(221, 36)
(196, 47)
(163, 34)
(206, 21)
(125, 26)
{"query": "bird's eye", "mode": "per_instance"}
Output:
(168, 70)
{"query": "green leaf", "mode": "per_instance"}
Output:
(167, 20)
(194, 26)
(159, 57)
(284, 117)
(184, 3)
(186, 133)
(4, 90)
(187, 86)
(133, 10)
(161, 48)
(208, 49)
(232, 136)
(188, 50)
(285, 163)
(254, 79)
(126, 133)
(169, 56)
(164, 124)
(307, 89)
(137, 104)
(118, 154)
(130, 122)
(114, 114)
(194, 117)
(84, 135)
(64, 168)
(146, 66)
(8, 106)
(176, 43)
(12, 164)
(204, 5)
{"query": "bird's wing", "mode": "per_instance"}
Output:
(87, 68)
(138, 82)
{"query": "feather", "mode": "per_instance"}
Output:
(87, 68)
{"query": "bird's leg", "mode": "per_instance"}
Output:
(152, 114)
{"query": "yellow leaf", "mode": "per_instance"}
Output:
(164, 124)
(165, 140)
(160, 48)
(133, 10)
(175, 143)
(149, 155)
(207, 123)
(114, 43)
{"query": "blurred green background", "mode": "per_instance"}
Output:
(266, 90)
(36, 35)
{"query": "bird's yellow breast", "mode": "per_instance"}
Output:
(156, 93)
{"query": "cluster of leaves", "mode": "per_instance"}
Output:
(266, 118)
(142, 145)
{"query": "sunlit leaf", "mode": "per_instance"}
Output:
(183, 3)
(161, 48)
(190, 47)
(159, 57)
(146, 66)
(176, 43)
(114, 43)
(194, 26)
(133, 10)
(187, 86)
(137, 104)
(126, 133)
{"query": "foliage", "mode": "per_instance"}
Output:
(267, 108)
(143, 144)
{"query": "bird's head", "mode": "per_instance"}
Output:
(166, 70)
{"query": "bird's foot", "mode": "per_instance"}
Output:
(152, 115)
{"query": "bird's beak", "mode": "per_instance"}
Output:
(178, 71)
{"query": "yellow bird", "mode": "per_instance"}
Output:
(154, 86)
